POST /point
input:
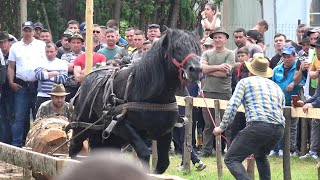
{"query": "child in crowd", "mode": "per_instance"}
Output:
(239, 122)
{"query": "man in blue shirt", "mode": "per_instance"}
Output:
(283, 76)
(263, 102)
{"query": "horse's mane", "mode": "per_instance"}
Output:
(155, 72)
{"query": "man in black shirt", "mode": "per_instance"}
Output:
(279, 42)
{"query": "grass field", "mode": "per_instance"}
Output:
(300, 169)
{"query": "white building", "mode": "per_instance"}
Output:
(283, 17)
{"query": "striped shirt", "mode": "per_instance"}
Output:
(44, 82)
(263, 100)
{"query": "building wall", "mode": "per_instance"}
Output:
(239, 13)
(282, 16)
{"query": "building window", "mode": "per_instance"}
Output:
(315, 13)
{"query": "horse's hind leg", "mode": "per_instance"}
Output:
(163, 146)
(76, 144)
(127, 132)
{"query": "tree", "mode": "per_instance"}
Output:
(54, 14)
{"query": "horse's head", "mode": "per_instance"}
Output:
(183, 50)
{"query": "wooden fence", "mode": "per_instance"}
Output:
(289, 112)
(53, 166)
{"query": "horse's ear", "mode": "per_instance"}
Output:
(165, 40)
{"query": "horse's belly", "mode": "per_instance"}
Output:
(154, 123)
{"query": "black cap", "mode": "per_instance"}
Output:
(255, 35)
(38, 25)
(153, 26)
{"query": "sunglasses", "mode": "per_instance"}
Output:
(96, 32)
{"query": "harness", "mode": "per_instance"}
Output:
(115, 109)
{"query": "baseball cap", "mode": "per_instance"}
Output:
(76, 35)
(153, 26)
(82, 27)
(288, 50)
(67, 33)
(38, 25)
(28, 24)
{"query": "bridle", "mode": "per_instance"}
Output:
(180, 67)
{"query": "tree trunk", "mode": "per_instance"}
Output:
(174, 13)
(68, 9)
(117, 10)
(46, 15)
(155, 13)
(142, 20)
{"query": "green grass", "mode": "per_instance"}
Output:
(300, 169)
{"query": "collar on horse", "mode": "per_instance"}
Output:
(180, 67)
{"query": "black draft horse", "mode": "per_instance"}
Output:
(171, 60)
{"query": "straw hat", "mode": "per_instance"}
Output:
(58, 90)
(259, 66)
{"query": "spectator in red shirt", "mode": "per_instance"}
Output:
(80, 64)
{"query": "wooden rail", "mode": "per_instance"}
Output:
(289, 112)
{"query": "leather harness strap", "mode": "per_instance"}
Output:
(123, 108)
(180, 66)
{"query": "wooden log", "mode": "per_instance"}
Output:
(46, 134)
(218, 140)
(286, 145)
(46, 164)
(188, 134)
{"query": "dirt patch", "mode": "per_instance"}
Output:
(8, 171)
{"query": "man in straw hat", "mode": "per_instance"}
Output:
(263, 101)
(57, 105)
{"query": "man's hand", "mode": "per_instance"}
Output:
(299, 103)
(14, 87)
(306, 107)
(224, 67)
(290, 87)
(217, 131)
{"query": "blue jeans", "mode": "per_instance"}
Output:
(178, 138)
(6, 115)
(257, 138)
(24, 102)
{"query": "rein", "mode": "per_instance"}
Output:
(180, 67)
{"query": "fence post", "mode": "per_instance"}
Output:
(286, 145)
(218, 139)
(188, 133)
(304, 135)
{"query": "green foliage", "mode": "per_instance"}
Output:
(59, 12)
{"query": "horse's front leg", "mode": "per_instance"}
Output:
(76, 144)
(163, 147)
